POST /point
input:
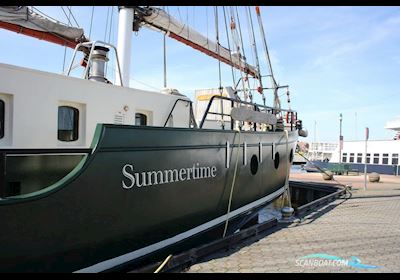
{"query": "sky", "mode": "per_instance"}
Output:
(335, 60)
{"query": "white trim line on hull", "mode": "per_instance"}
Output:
(108, 264)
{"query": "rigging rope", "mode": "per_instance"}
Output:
(70, 10)
(207, 23)
(194, 17)
(238, 53)
(162, 264)
(165, 58)
(109, 35)
(179, 12)
(229, 47)
(250, 21)
(187, 20)
(111, 22)
(232, 186)
(105, 30)
(346, 187)
(244, 54)
(219, 67)
(287, 190)
(91, 22)
(65, 48)
(45, 15)
(69, 22)
(277, 103)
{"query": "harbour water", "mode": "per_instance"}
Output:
(297, 169)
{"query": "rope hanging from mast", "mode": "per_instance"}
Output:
(65, 48)
(236, 46)
(229, 47)
(244, 56)
(91, 22)
(277, 103)
(219, 66)
(253, 42)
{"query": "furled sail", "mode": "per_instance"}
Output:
(22, 20)
(159, 19)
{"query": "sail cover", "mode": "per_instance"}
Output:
(20, 19)
(160, 20)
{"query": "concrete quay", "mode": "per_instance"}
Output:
(363, 230)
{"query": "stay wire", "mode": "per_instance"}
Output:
(243, 50)
(72, 14)
(65, 48)
(219, 67)
(229, 47)
(91, 22)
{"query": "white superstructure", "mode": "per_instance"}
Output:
(32, 100)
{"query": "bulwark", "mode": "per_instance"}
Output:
(150, 178)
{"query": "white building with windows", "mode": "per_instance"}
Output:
(321, 150)
(379, 152)
(385, 152)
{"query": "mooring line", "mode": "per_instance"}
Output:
(233, 184)
(345, 187)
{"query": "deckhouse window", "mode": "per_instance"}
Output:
(140, 119)
(2, 116)
(68, 123)
(344, 158)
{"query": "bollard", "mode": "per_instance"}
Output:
(327, 175)
(374, 177)
(287, 212)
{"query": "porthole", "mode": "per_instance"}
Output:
(254, 164)
(291, 155)
(276, 160)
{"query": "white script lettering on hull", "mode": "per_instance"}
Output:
(150, 178)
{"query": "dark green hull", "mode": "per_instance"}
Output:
(89, 218)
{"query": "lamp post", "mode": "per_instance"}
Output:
(340, 139)
(365, 158)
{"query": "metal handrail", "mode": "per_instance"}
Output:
(191, 111)
(257, 107)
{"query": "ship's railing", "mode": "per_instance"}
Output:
(6, 153)
(291, 115)
(192, 120)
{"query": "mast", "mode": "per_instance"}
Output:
(125, 29)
